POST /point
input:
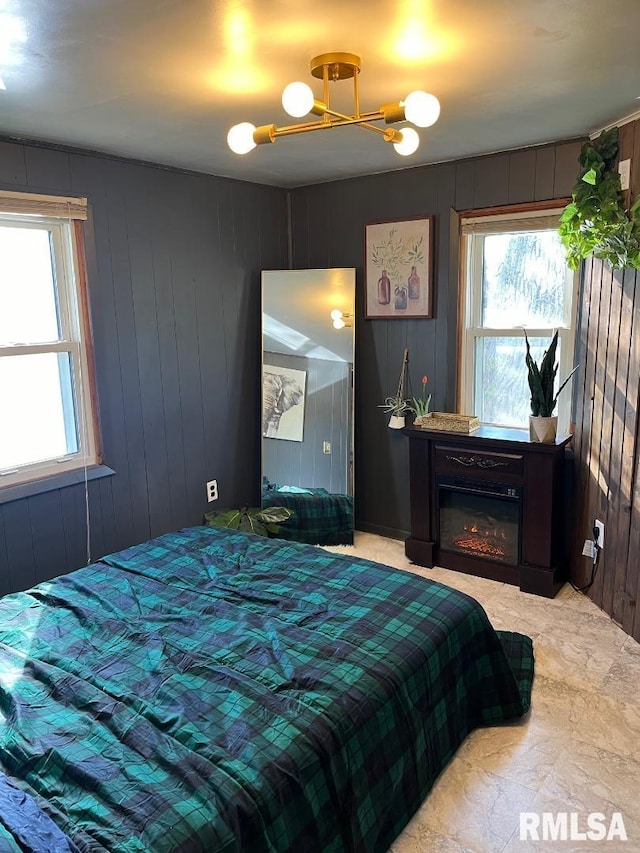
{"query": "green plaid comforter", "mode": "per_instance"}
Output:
(214, 691)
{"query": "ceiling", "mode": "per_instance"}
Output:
(163, 80)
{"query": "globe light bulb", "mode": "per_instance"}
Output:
(339, 323)
(336, 314)
(421, 108)
(240, 138)
(410, 141)
(297, 99)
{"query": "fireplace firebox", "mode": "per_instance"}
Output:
(480, 519)
(490, 503)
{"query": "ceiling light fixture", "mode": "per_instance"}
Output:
(419, 108)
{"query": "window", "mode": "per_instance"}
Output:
(515, 276)
(47, 425)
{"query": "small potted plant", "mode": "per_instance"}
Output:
(397, 406)
(420, 406)
(543, 423)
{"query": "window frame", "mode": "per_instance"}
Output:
(62, 217)
(488, 220)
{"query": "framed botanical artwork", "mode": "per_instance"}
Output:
(399, 268)
(283, 402)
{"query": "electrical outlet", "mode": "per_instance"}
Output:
(599, 526)
(326, 447)
(212, 490)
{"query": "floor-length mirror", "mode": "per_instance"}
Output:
(307, 401)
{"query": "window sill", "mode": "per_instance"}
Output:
(50, 484)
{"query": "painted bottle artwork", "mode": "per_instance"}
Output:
(400, 300)
(414, 284)
(384, 289)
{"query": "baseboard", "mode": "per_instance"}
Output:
(389, 532)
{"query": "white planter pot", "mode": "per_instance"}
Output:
(396, 422)
(543, 429)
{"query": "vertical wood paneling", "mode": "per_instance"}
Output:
(154, 475)
(173, 266)
(565, 168)
(13, 169)
(465, 185)
(622, 450)
(492, 181)
(583, 409)
(631, 583)
(606, 441)
(606, 446)
(19, 545)
(440, 362)
(545, 173)
(47, 168)
(603, 410)
(46, 523)
(5, 585)
(72, 509)
(174, 274)
(381, 454)
(522, 175)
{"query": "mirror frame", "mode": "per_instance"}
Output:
(313, 372)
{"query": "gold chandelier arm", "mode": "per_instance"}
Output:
(269, 132)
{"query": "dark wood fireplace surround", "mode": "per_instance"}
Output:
(495, 456)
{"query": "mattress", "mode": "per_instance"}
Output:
(216, 691)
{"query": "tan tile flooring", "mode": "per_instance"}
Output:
(578, 749)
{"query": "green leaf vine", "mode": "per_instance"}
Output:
(595, 222)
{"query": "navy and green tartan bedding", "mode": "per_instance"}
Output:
(320, 517)
(214, 691)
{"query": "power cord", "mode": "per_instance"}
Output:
(596, 557)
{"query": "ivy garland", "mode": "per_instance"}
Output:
(595, 221)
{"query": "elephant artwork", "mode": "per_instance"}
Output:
(283, 402)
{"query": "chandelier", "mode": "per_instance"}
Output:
(340, 319)
(419, 108)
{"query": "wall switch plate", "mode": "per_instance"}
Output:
(624, 170)
(326, 447)
(212, 490)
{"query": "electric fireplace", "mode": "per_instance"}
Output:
(491, 504)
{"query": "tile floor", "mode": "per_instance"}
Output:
(578, 749)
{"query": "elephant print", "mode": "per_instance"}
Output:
(280, 393)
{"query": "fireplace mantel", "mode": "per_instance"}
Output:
(504, 465)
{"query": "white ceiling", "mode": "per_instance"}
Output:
(163, 80)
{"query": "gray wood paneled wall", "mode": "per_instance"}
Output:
(607, 447)
(173, 262)
(328, 230)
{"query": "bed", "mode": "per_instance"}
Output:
(215, 691)
(319, 517)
